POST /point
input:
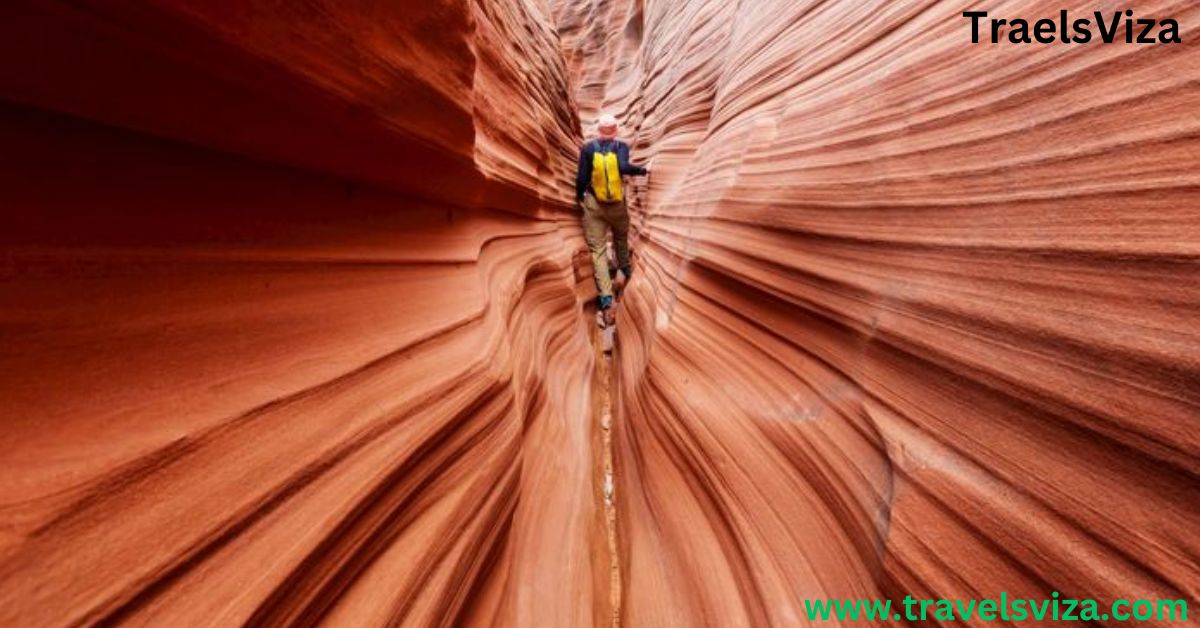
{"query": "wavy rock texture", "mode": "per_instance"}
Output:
(290, 323)
(291, 332)
(913, 316)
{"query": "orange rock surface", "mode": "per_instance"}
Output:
(290, 324)
(294, 330)
(914, 316)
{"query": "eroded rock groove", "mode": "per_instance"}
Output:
(294, 313)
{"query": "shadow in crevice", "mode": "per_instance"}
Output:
(635, 27)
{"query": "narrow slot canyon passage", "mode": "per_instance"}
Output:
(297, 322)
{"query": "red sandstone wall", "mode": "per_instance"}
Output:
(290, 330)
(912, 316)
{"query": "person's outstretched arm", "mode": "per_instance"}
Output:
(626, 167)
(584, 176)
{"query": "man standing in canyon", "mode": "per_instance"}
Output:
(600, 192)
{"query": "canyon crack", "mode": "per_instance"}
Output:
(296, 322)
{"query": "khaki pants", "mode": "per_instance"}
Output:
(597, 218)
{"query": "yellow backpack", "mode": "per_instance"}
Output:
(606, 174)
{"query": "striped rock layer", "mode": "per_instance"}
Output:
(294, 330)
(914, 316)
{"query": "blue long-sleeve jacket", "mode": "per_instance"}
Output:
(583, 181)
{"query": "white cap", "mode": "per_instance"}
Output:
(607, 126)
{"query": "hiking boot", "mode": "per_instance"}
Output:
(622, 279)
(618, 283)
(606, 310)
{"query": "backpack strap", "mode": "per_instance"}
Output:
(599, 149)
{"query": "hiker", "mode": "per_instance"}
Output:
(601, 194)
